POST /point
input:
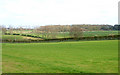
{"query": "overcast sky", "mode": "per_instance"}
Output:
(47, 12)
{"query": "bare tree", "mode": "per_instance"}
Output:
(37, 31)
(4, 30)
(21, 30)
(11, 30)
(76, 32)
(48, 31)
(53, 31)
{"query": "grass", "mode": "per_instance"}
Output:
(66, 34)
(100, 33)
(86, 34)
(11, 37)
(61, 57)
(90, 33)
(17, 37)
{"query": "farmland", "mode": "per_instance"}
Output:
(100, 33)
(85, 33)
(60, 35)
(60, 49)
(61, 57)
(17, 37)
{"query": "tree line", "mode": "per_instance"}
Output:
(52, 31)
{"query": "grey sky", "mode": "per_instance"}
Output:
(45, 12)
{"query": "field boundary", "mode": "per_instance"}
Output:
(109, 37)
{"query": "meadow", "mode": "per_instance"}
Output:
(18, 37)
(99, 33)
(58, 35)
(61, 57)
(85, 33)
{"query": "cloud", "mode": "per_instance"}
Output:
(44, 12)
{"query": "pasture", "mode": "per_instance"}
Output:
(99, 33)
(18, 37)
(59, 35)
(85, 34)
(61, 57)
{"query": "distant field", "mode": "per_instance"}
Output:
(17, 37)
(66, 34)
(100, 33)
(11, 37)
(61, 57)
(90, 33)
(87, 33)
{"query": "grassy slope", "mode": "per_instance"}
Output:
(91, 33)
(62, 57)
(11, 37)
(100, 33)
(86, 33)
(18, 37)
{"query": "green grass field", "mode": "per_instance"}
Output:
(17, 37)
(90, 33)
(61, 57)
(100, 33)
(85, 34)
(66, 34)
(12, 37)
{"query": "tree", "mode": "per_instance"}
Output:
(37, 31)
(76, 31)
(21, 30)
(4, 30)
(116, 27)
(10, 30)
